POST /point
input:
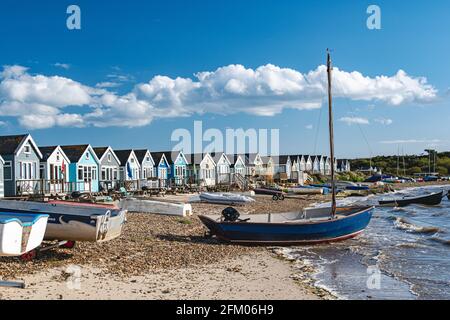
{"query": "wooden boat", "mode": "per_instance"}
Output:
(156, 207)
(311, 226)
(306, 227)
(225, 198)
(72, 222)
(432, 199)
(21, 233)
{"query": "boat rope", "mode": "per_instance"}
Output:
(317, 130)
(361, 130)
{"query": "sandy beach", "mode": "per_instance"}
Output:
(160, 257)
(253, 276)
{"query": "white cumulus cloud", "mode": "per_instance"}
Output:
(40, 101)
(354, 120)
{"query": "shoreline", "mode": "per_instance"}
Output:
(155, 250)
(256, 276)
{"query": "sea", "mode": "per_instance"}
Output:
(403, 254)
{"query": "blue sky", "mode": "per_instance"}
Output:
(123, 45)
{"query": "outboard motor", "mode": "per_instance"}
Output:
(230, 214)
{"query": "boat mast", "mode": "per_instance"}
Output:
(330, 125)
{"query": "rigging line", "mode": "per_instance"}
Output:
(362, 131)
(317, 131)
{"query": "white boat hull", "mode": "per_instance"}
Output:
(73, 223)
(16, 239)
(156, 207)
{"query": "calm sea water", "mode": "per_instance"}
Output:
(403, 254)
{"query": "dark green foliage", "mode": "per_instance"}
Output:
(413, 164)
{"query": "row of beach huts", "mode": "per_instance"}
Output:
(29, 169)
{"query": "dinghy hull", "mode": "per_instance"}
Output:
(290, 233)
(433, 199)
(21, 233)
(73, 223)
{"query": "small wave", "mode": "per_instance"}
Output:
(441, 240)
(403, 224)
(409, 245)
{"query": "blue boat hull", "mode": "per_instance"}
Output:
(290, 233)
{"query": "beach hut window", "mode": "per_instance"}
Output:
(94, 174)
(115, 174)
(7, 171)
(132, 160)
(27, 149)
(148, 158)
(87, 155)
(80, 173)
(109, 157)
(103, 174)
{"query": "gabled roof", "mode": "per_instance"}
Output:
(75, 152)
(172, 156)
(140, 155)
(102, 151)
(48, 151)
(13, 144)
(158, 156)
(124, 155)
(218, 155)
(197, 158)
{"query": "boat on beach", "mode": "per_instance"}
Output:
(432, 199)
(310, 226)
(21, 233)
(225, 198)
(306, 190)
(69, 222)
(156, 207)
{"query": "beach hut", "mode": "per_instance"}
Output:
(129, 168)
(316, 164)
(146, 163)
(283, 165)
(223, 168)
(178, 164)
(83, 168)
(2, 186)
(268, 168)
(253, 164)
(21, 168)
(309, 165)
(54, 170)
(162, 167)
(343, 165)
(109, 168)
(203, 168)
(238, 165)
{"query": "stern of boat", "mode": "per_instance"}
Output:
(110, 227)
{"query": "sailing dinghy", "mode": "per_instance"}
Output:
(21, 233)
(306, 227)
(432, 199)
(72, 222)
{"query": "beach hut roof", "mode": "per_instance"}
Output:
(123, 155)
(75, 152)
(48, 151)
(13, 144)
(101, 152)
(157, 157)
(140, 154)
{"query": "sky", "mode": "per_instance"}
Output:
(137, 71)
